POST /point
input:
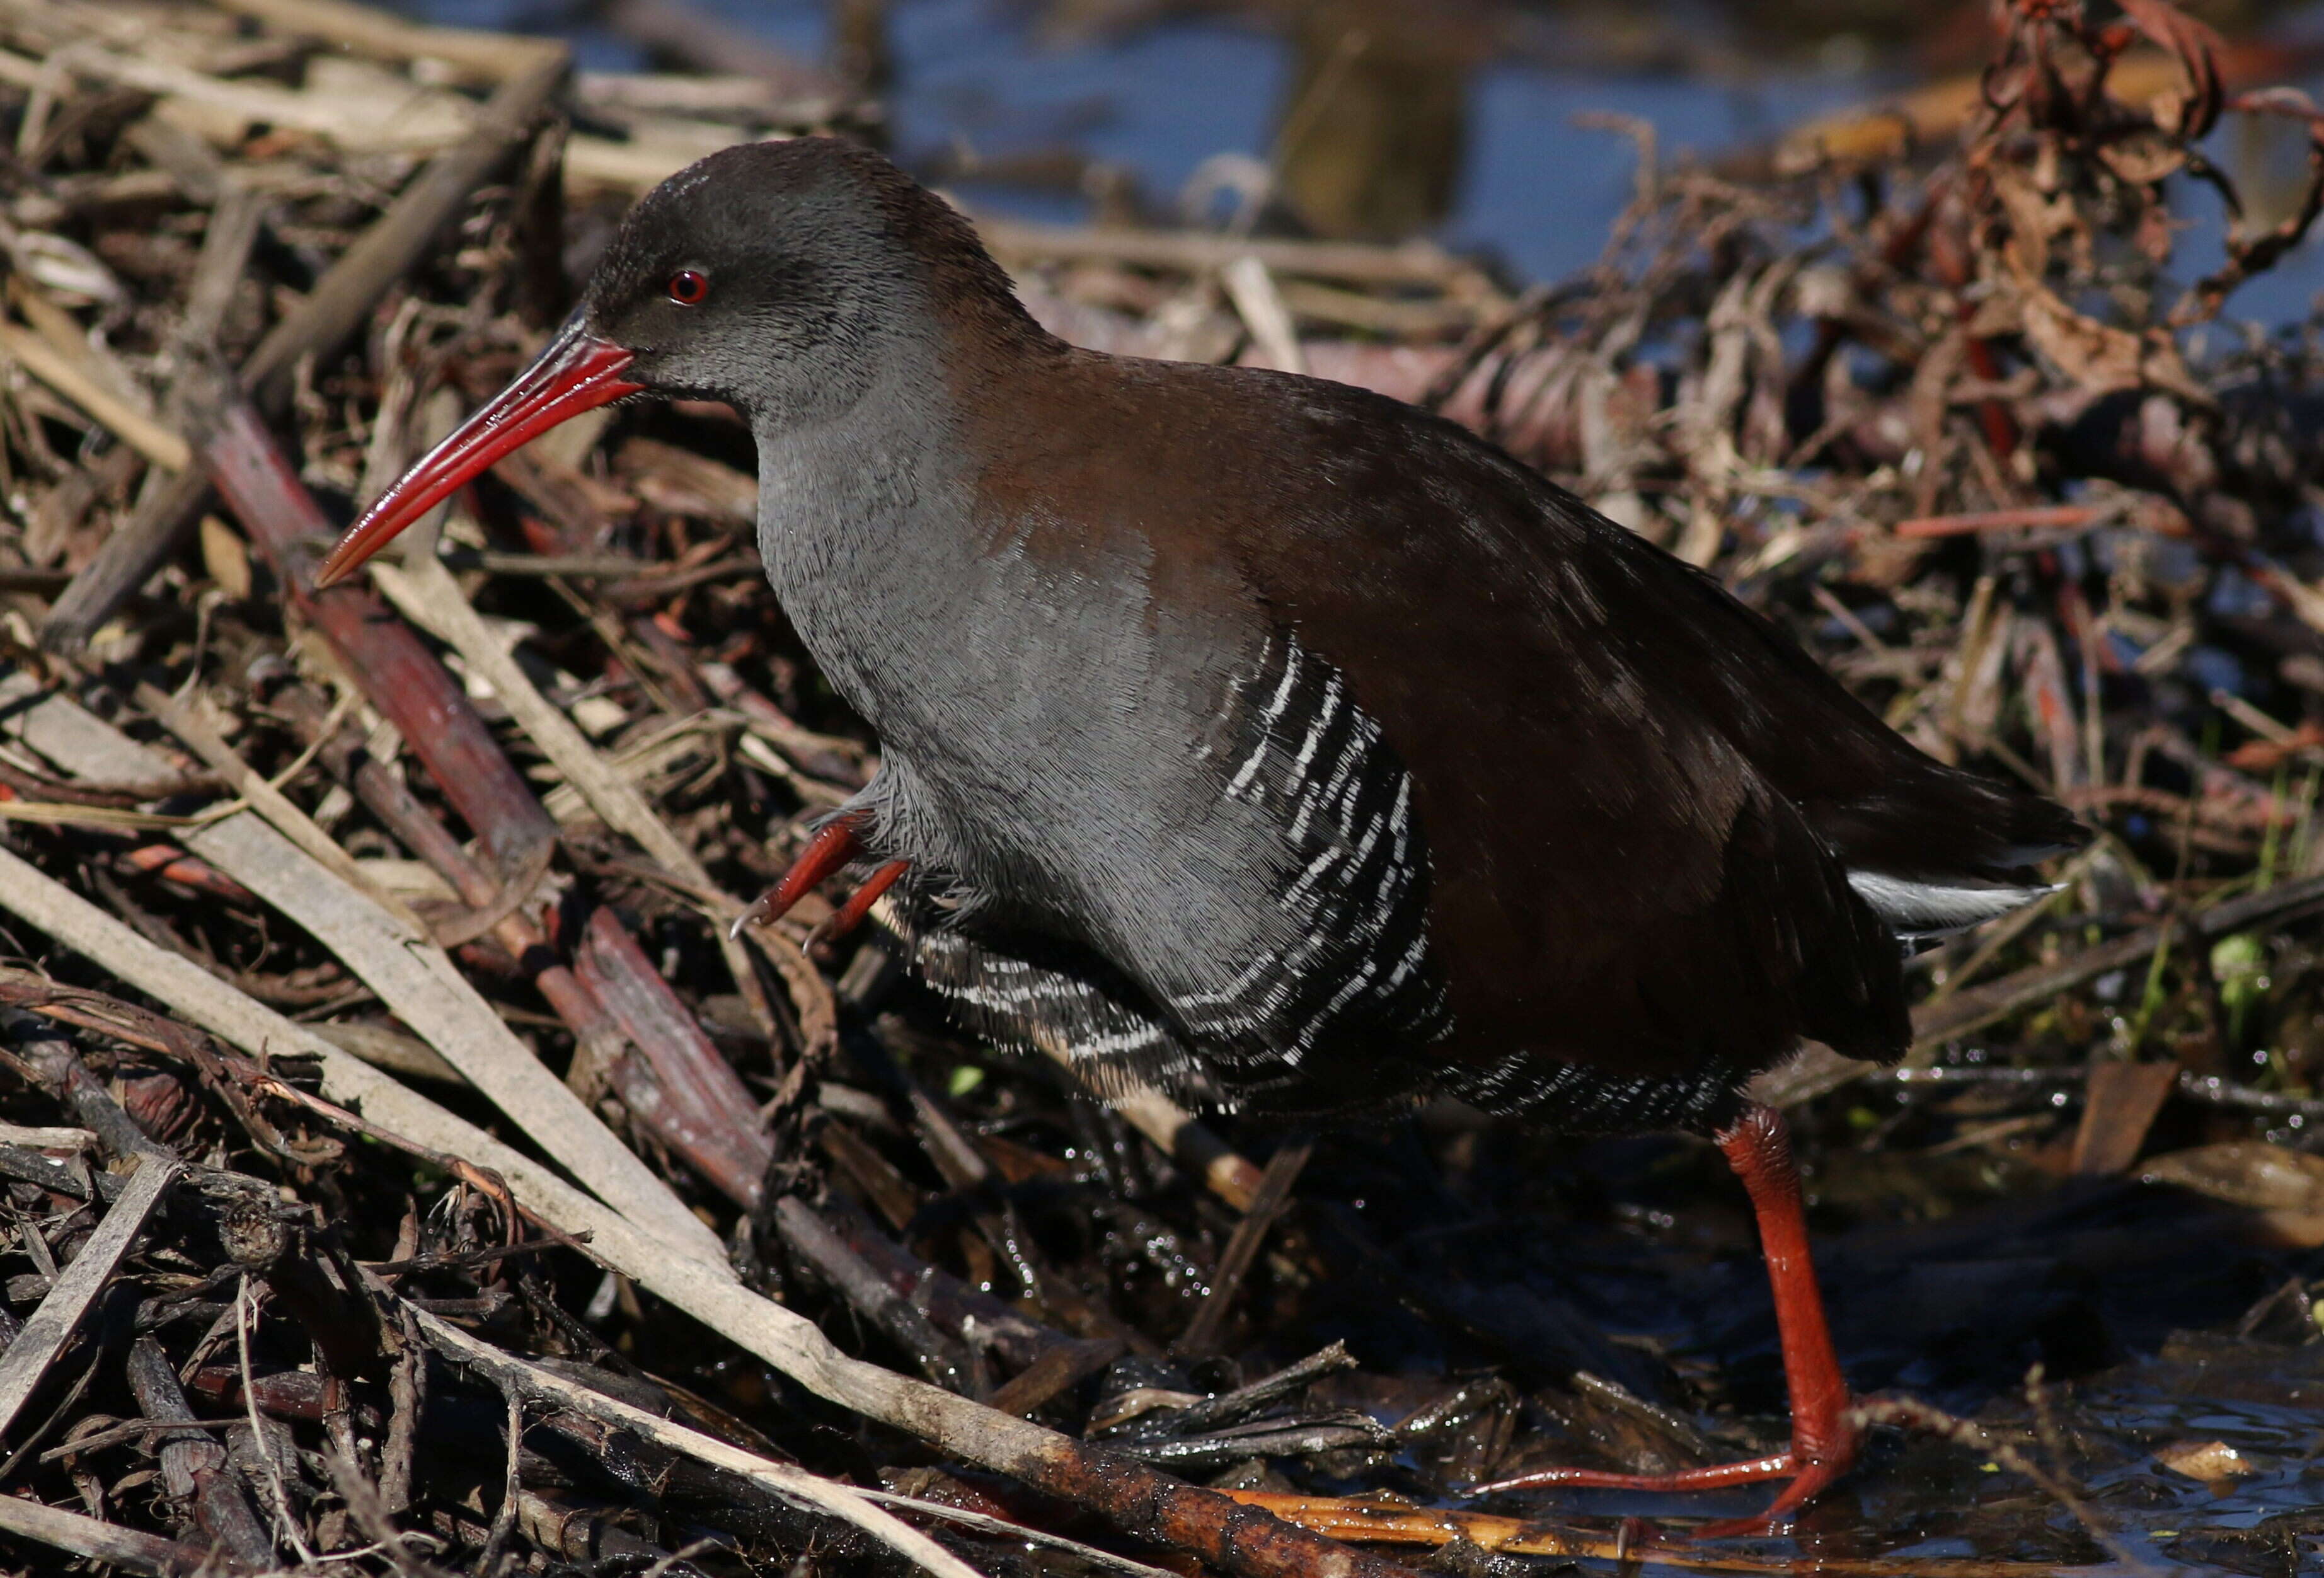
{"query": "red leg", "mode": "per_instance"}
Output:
(834, 843)
(1759, 1148)
(859, 903)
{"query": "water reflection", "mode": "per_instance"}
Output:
(1378, 118)
(1373, 124)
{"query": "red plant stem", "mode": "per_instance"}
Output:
(674, 1083)
(404, 680)
(173, 864)
(1948, 259)
(397, 675)
(2062, 517)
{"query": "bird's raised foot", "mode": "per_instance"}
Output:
(850, 915)
(834, 843)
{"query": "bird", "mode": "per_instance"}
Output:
(1273, 743)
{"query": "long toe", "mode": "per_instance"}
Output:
(1715, 1477)
(1811, 1466)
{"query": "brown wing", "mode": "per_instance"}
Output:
(1640, 802)
(1604, 747)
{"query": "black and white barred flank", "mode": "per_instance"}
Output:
(1568, 1098)
(1350, 889)
(1308, 759)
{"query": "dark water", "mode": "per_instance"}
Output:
(992, 79)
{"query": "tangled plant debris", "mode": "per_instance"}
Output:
(349, 932)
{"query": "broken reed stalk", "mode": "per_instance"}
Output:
(379, 651)
(61, 1310)
(98, 1541)
(412, 974)
(719, 1134)
(515, 1376)
(337, 307)
(1244, 1541)
(192, 1464)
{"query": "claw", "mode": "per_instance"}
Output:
(835, 844)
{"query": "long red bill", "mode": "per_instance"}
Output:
(578, 372)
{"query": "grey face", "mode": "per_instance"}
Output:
(763, 276)
(783, 277)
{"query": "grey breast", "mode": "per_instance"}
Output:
(1250, 886)
(1165, 841)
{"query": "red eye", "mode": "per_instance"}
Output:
(687, 287)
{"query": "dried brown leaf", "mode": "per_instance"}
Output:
(2245, 1172)
(2100, 359)
(2196, 44)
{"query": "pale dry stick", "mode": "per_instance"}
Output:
(270, 802)
(41, 82)
(519, 1378)
(246, 1305)
(133, 1430)
(125, 421)
(84, 1536)
(637, 166)
(419, 120)
(496, 1539)
(490, 56)
(411, 973)
(1411, 262)
(1246, 1543)
(1252, 290)
(426, 594)
(66, 814)
(74, 813)
(1181, 1136)
(46, 1137)
(984, 1523)
(62, 334)
(60, 1312)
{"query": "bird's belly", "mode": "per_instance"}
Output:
(1196, 812)
(1248, 938)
